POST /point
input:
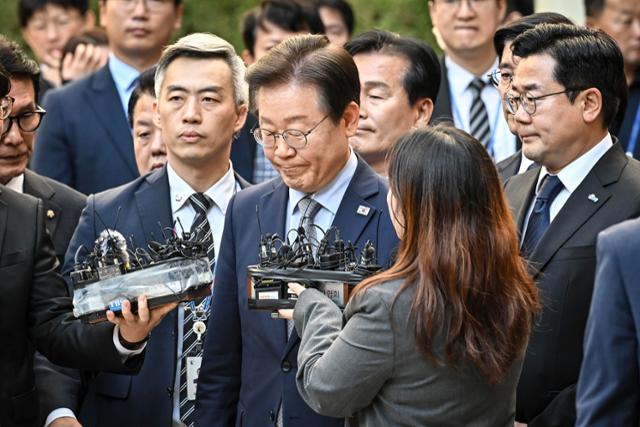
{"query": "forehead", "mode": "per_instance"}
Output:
(270, 32)
(535, 71)
(288, 102)
(143, 105)
(387, 68)
(53, 9)
(629, 7)
(198, 72)
(22, 91)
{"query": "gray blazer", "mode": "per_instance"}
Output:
(368, 369)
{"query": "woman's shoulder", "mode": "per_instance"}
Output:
(381, 294)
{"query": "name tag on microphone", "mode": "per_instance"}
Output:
(193, 371)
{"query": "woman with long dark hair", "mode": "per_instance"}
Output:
(438, 339)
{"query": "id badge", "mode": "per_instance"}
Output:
(193, 371)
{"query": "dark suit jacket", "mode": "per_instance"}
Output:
(62, 206)
(609, 386)
(564, 269)
(146, 398)
(85, 140)
(243, 150)
(35, 311)
(509, 166)
(249, 366)
(442, 111)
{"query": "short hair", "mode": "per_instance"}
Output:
(584, 58)
(205, 46)
(291, 15)
(5, 84)
(18, 64)
(343, 8)
(525, 7)
(145, 86)
(422, 78)
(27, 8)
(594, 8)
(509, 32)
(309, 60)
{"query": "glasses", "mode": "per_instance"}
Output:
(528, 101)
(27, 121)
(60, 21)
(6, 104)
(294, 138)
(152, 5)
(500, 78)
(455, 4)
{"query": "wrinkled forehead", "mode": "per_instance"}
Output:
(533, 72)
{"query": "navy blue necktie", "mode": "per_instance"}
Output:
(539, 219)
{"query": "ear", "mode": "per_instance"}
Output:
(432, 15)
(502, 10)
(422, 110)
(102, 13)
(177, 23)
(156, 114)
(241, 112)
(247, 58)
(351, 116)
(591, 100)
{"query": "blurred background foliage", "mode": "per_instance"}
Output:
(222, 17)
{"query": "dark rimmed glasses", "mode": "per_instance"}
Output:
(294, 138)
(528, 101)
(27, 121)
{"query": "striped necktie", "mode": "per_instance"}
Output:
(201, 231)
(540, 217)
(478, 117)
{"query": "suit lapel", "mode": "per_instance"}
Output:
(355, 211)
(104, 100)
(442, 110)
(3, 221)
(36, 186)
(590, 196)
(154, 206)
(520, 190)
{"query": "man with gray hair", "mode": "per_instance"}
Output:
(201, 103)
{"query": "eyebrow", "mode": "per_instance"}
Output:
(143, 122)
(287, 120)
(375, 84)
(179, 88)
(505, 65)
(526, 88)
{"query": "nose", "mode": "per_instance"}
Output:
(52, 31)
(363, 107)
(465, 10)
(13, 135)
(140, 8)
(157, 144)
(191, 112)
(281, 148)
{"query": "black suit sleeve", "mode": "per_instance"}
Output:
(53, 329)
(560, 412)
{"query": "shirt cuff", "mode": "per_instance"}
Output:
(124, 352)
(59, 413)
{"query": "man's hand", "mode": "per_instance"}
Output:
(135, 328)
(86, 59)
(65, 422)
(50, 68)
(297, 289)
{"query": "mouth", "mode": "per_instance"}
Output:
(364, 129)
(190, 136)
(12, 158)
(157, 165)
(138, 32)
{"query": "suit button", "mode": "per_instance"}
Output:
(272, 416)
(286, 366)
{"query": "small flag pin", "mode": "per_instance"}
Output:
(50, 214)
(593, 198)
(363, 210)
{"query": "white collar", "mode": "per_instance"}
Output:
(16, 183)
(574, 173)
(460, 78)
(220, 192)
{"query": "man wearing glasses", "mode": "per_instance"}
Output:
(566, 90)
(306, 93)
(502, 76)
(466, 97)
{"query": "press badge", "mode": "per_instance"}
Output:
(193, 371)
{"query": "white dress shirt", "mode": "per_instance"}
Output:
(571, 176)
(504, 142)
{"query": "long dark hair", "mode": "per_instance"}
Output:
(459, 253)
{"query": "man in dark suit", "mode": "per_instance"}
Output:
(565, 92)
(86, 142)
(202, 102)
(37, 312)
(501, 79)
(466, 97)
(306, 92)
(609, 387)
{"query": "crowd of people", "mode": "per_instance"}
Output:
(497, 182)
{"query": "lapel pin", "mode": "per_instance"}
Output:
(363, 210)
(50, 214)
(178, 198)
(593, 198)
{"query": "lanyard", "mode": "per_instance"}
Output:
(635, 132)
(494, 128)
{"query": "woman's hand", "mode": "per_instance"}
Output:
(297, 289)
(135, 328)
